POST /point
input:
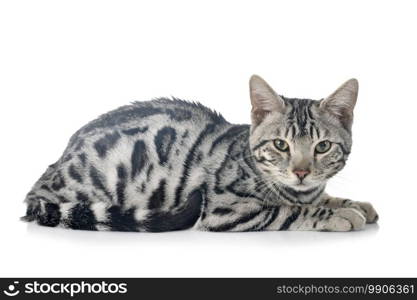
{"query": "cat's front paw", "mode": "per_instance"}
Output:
(345, 219)
(368, 211)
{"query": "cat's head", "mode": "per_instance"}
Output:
(300, 142)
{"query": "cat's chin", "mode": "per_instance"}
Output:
(304, 186)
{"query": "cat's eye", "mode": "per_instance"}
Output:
(323, 146)
(281, 145)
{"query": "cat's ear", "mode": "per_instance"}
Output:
(264, 99)
(342, 101)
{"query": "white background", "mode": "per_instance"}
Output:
(62, 63)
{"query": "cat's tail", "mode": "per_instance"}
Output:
(42, 206)
(43, 211)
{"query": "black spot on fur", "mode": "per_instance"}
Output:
(164, 140)
(98, 181)
(134, 131)
(183, 218)
(51, 217)
(218, 187)
(143, 187)
(139, 158)
(73, 173)
(120, 220)
(316, 212)
(58, 181)
(106, 143)
(67, 158)
(83, 158)
(185, 134)
(45, 187)
(82, 217)
(221, 211)
(81, 197)
(149, 172)
(291, 219)
(121, 183)
(157, 198)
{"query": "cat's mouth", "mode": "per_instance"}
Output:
(302, 184)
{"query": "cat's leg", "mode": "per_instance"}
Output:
(365, 208)
(250, 215)
(318, 218)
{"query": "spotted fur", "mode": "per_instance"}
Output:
(168, 164)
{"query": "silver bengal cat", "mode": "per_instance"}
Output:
(168, 164)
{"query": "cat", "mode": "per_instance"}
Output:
(169, 164)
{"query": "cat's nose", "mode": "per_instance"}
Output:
(301, 173)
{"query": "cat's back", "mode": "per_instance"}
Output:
(158, 123)
(133, 118)
(157, 133)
